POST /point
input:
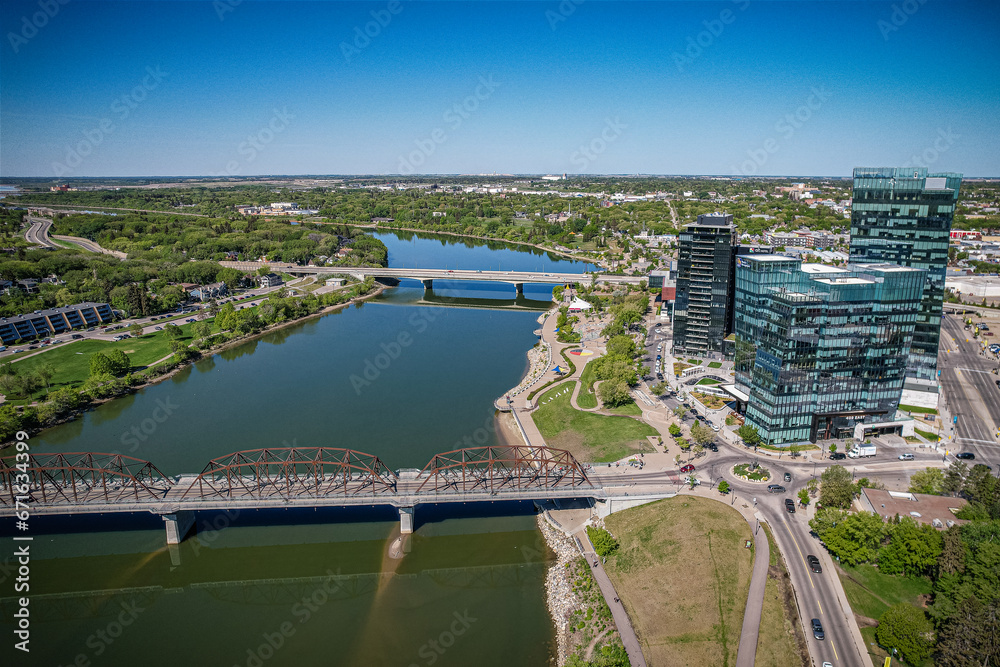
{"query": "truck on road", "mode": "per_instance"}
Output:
(862, 451)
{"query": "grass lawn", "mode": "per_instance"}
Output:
(587, 397)
(915, 408)
(871, 593)
(590, 437)
(71, 361)
(709, 381)
(780, 642)
(630, 409)
(694, 362)
(715, 364)
(933, 437)
(683, 574)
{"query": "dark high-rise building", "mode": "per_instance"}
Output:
(702, 315)
(903, 215)
(821, 351)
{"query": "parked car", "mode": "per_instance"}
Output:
(687, 468)
(814, 564)
(775, 488)
(906, 457)
(714, 447)
(790, 505)
(838, 456)
(968, 456)
(817, 628)
(76, 336)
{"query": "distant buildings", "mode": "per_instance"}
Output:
(270, 280)
(276, 208)
(903, 215)
(704, 266)
(53, 320)
(820, 351)
(206, 292)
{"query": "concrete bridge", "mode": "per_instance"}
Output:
(299, 477)
(428, 276)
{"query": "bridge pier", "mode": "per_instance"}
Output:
(519, 287)
(406, 520)
(178, 525)
(428, 284)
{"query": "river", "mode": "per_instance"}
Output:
(404, 376)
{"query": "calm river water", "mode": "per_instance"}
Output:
(404, 376)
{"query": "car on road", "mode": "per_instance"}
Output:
(90, 329)
(838, 456)
(906, 457)
(788, 477)
(817, 628)
(715, 427)
(687, 468)
(814, 564)
(968, 456)
(32, 347)
(159, 328)
(76, 336)
(790, 505)
(714, 447)
(775, 488)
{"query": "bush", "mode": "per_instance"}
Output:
(604, 543)
(905, 628)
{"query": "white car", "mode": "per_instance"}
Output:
(906, 457)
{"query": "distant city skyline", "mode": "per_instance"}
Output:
(737, 88)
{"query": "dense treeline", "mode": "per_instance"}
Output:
(962, 623)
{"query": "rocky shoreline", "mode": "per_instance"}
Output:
(559, 596)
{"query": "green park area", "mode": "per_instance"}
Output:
(918, 409)
(70, 362)
(589, 436)
(715, 364)
(682, 569)
(709, 381)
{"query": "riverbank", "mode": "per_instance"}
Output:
(589, 260)
(171, 367)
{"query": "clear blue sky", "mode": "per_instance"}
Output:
(277, 72)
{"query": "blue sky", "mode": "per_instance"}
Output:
(747, 86)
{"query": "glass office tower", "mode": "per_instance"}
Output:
(704, 266)
(821, 348)
(903, 215)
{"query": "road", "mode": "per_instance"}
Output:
(970, 391)
(38, 232)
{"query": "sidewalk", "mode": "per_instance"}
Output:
(625, 629)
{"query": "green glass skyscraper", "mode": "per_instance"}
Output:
(903, 215)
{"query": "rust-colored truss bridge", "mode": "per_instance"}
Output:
(501, 469)
(79, 478)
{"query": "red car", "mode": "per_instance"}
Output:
(688, 468)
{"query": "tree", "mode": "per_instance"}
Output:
(674, 430)
(855, 539)
(202, 329)
(804, 497)
(833, 448)
(604, 543)
(701, 434)
(905, 628)
(970, 635)
(836, 488)
(929, 480)
(749, 435)
(697, 450)
(723, 486)
(135, 329)
(954, 478)
(614, 393)
(45, 373)
(677, 460)
(680, 411)
(912, 550)
(660, 388)
(173, 331)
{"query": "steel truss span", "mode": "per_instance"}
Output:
(292, 472)
(502, 469)
(79, 478)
